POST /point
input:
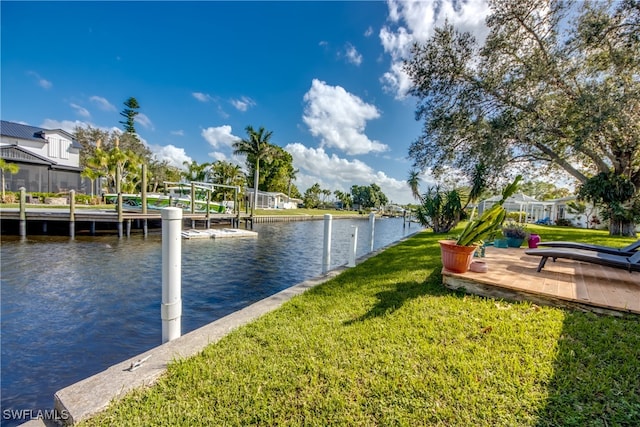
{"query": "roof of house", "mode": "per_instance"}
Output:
(17, 153)
(20, 131)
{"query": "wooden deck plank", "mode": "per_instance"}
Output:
(563, 283)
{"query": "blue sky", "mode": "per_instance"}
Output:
(323, 76)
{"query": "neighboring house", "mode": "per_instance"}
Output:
(49, 159)
(393, 210)
(552, 210)
(561, 210)
(267, 200)
(534, 209)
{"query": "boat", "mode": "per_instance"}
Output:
(133, 203)
(217, 233)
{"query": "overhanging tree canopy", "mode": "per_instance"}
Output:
(555, 86)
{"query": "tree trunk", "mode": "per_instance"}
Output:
(622, 228)
(255, 188)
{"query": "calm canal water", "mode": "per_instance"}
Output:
(71, 309)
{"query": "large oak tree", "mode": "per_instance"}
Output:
(556, 86)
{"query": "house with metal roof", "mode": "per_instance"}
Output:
(49, 159)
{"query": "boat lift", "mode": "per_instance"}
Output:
(209, 188)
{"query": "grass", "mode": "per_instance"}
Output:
(385, 343)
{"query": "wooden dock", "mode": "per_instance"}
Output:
(565, 283)
(37, 220)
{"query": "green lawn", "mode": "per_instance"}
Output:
(386, 344)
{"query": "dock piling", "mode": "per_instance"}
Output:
(171, 308)
(326, 253)
(145, 228)
(72, 214)
(353, 247)
(372, 225)
(119, 210)
(23, 212)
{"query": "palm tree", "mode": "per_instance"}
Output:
(12, 168)
(92, 175)
(227, 173)
(478, 184)
(414, 184)
(293, 173)
(256, 146)
(196, 172)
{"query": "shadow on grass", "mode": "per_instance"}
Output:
(393, 299)
(596, 380)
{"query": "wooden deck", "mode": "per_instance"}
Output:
(512, 275)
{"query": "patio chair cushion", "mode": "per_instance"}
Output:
(625, 262)
(626, 250)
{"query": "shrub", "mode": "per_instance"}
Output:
(515, 230)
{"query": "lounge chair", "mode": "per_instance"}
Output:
(625, 262)
(627, 250)
(544, 221)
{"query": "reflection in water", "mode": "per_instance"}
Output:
(71, 309)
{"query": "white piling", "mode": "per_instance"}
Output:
(372, 226)
(171, 308)
(326, 253)
(353, 247)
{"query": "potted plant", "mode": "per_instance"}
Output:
(499, 241)
(515, 233)
(458, 254)
(533, 240)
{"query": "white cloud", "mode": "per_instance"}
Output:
(368, 32)
(218, 156)
(314, 164)
(352, 54)
(65, 125)
(144, 121)
(415, 21)
(102, 103)
(81, 111)
(178, 132)
(243, 104)
(172, 154)
(338, 118)
(43, 83)
(220, 136)
(202, 97)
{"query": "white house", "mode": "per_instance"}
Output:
(533, 209)
(49, 159)
(551, 210)
(272, 200)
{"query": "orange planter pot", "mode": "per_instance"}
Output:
(456, 258)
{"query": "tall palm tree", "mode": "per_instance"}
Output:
(414, 184)
(256, 146)
(293, 173)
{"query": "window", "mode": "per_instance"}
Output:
(54, 147)
(64, 148)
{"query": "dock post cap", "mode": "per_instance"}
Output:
(171, 213)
